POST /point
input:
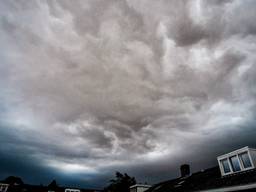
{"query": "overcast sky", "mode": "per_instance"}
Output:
(91, 87)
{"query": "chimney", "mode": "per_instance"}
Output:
(184, 170)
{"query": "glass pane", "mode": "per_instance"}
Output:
(225, 165)
(245, 159)
(235, 163)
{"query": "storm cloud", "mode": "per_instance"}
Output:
(90, 87)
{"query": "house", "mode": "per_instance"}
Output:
(236, 172)
(139, 188)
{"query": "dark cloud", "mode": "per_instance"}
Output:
(91, 87)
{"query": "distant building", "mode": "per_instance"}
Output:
(139, 188)
(236, 172)
(72, 190)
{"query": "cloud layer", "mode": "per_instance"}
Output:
(89, 87)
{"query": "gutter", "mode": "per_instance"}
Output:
(232, 188)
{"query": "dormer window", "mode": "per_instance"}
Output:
(237, 161)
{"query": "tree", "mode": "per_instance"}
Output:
(121, 183)
(53, 185)
(12, 180)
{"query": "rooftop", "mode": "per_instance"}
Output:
(140, 185)
(205, 180)
(214, 178)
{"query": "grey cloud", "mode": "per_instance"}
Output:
(96, 86)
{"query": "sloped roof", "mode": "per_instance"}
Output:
(207, 179)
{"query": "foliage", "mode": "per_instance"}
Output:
(121, 183)
(12, 180)
(53, 185)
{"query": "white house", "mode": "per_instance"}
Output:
(139, 188)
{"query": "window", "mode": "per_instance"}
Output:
(225, 165)
(245, 160)
(3, 187)
(235, 164)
